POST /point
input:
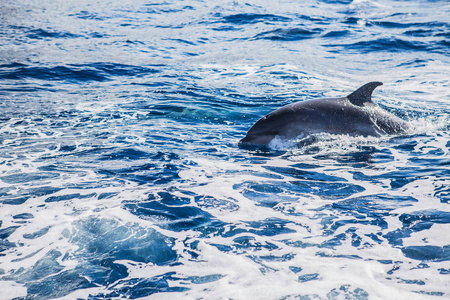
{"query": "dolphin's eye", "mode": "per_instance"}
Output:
(275, 132)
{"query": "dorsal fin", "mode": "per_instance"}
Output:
(363, 94)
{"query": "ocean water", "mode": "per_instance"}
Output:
(121, 174)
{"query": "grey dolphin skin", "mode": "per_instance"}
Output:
(354, 115)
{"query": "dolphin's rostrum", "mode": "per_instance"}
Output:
(354, 115)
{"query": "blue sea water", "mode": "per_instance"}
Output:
(121, 175)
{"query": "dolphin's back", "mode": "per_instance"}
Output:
(332, 115)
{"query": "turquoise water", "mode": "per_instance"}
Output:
(121, 175)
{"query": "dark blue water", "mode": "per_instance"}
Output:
(121, 177)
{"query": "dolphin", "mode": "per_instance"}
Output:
(354, 115)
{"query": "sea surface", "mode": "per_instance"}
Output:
(121, 176)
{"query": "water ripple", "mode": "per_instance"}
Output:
(121, 175)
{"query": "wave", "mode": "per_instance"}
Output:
(243, 19)
(101, 244)
(290, 34)
(40, 33)
(74, 73)
(390, 44)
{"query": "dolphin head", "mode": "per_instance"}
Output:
(257, 139)
(264, 130)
